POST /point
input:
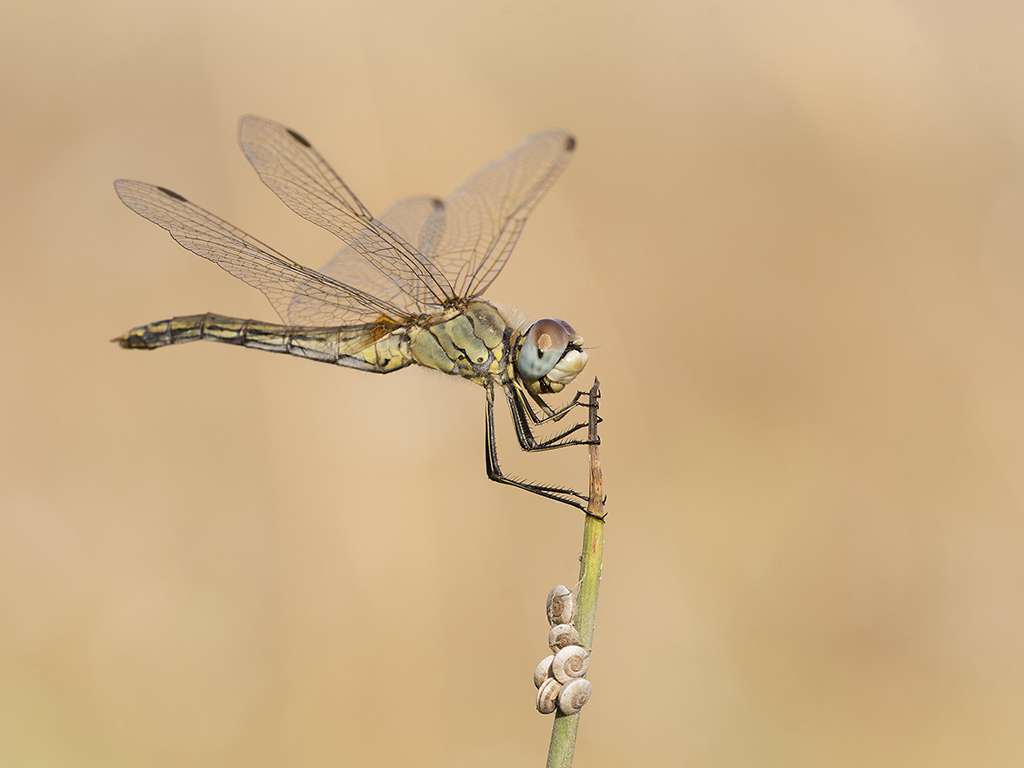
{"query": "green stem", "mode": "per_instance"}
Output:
(563, 732)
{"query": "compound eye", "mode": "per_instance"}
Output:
(543, 346)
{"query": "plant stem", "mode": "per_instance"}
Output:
(563, 732)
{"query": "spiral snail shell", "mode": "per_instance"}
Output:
(547, 696)
(543, 671)
(561, 606)
(562, 635)
(569, 663)
(573, 696)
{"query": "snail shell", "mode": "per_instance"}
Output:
(569, 663)
(561, 606)
(547, 696)
(573, 696)
(543, 671)
(562, 635)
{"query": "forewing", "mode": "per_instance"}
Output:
(300, 295)
(296, 173)
(472, 234)
(405, 218)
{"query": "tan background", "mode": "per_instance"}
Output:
(793, 236)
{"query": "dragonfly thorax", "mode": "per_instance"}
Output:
(469, 341)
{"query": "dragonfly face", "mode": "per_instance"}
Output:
(550, 356)
(404, 290)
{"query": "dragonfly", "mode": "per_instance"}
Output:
(404, 290)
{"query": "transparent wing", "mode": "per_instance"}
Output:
(297, 174)
(405, 218)
(471, 235)
(300, 295)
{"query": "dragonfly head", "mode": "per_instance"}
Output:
(550, 356)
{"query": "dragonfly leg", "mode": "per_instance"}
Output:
(564, 495)
(523, 415)
(549, 413)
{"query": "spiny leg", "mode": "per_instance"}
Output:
(564, 495)
(550, 414)
(522, 415)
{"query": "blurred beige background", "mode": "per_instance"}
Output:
(794, 236)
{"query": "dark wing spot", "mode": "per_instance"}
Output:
(171, 194)
(437, 201)
(570, 143)
(299, 138)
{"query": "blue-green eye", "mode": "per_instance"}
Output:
(542, 347)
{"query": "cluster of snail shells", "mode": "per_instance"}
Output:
(560, 677)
